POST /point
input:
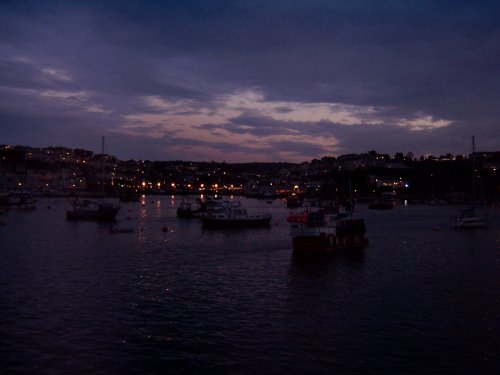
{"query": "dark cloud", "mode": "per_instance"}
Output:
(71, 71)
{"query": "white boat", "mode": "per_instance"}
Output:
(469, 218)
(235, 217)
(104, 210)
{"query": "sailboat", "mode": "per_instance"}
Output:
(104, 209)
(469, 218)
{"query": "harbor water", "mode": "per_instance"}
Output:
(173, 297)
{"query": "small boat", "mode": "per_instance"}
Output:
(86, 209)
(469, 219)
(21, 200)
(328, 234)
(101, 209)
(129, 196)
(235, 217)
(121, 230)
(387, 201)
(379, 205)
(184, 211)
(204, 207)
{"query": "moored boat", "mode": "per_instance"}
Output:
(235, 217)
(116, 229)
(105, 210)
(129, 195)
(386, 201)
(469, 219)
(184, 210)
(21, 200)
(101, 209)
(204, 207)
(379, 205)
(328, 235)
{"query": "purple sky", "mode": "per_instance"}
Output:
(251, 80)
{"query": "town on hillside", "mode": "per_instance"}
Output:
(61, 171)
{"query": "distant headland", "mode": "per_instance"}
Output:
(64, 171)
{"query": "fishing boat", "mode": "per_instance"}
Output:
(117, 229)
(203, 207)
(20, 200)
(99, 210)
(381, 205)
(313, 234)
(326, 231)
(386, 201)
(235, 217)
(469, 218)
(129, 195)
(184, 211)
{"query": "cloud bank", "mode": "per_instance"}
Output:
(250, 81)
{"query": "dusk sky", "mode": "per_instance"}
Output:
(251, 80)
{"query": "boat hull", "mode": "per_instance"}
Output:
(470, 223)
(121, 230)
(75, 215)
(381, 206)
(184, 213)
(469, 219)
(100, 214)
(214, 222)
(19, 200)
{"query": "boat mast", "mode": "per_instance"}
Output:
(102, 166)
(473, 171)
(351, 205)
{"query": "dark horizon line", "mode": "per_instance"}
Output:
(414, 157)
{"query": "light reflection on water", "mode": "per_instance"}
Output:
(423, 298)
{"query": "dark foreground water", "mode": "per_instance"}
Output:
(424, 298)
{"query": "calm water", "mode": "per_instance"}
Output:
(74, 298)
